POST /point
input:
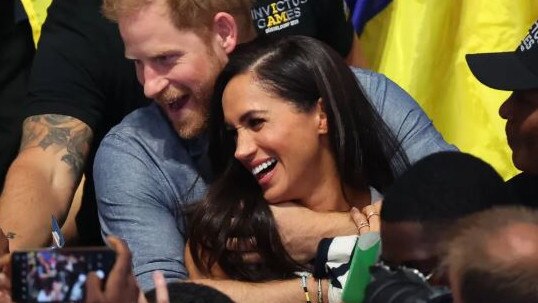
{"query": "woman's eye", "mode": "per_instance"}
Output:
(255, 123)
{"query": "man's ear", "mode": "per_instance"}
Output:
(323, 124)
(225, 27)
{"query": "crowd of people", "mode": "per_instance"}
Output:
(239, 150)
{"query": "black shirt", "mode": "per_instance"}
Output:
(80, 71)
(525, 188)
(16, 53)
(324, 20)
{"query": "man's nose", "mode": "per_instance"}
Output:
(505, 111)
(153, 81)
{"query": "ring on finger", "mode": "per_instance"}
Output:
(363, 224)
(372, 213)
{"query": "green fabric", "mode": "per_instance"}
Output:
(365, 255)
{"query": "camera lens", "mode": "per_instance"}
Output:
(403, 286)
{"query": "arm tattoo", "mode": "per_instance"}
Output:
(65, 133)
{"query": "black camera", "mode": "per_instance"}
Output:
(403, 285)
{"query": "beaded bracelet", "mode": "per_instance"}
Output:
(320, 292)
(304, 285)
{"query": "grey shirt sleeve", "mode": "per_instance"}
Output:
(137, 203)
(404, 117)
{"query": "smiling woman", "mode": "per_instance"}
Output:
(284, 147)
(289, 122)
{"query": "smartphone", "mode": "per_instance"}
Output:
(57, 275)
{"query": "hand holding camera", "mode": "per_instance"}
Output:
(121, 285)
(5, 283)
(70, 275)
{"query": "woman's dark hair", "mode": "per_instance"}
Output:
(300, 70)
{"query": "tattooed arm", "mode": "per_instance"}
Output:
(43, 178)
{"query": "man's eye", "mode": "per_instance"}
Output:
(166, 59)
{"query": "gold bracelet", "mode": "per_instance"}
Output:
(305, 286)
(320, 292)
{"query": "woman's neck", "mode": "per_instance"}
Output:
(331, 195)
(326, 191)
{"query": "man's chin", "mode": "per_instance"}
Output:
(525, 163)
(189, 131)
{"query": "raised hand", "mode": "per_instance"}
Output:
(121, 285)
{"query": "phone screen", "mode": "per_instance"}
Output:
(57, 275)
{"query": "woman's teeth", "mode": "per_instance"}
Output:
(256, 170)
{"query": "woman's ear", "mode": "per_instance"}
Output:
(323, 124)
(225, 28)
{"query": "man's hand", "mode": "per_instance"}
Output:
(161, 287)
(5, 283)
(5, 288)
(301, 229)
(5, 266)
(4, 244)
(121, 285)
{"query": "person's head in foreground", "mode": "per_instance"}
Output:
(289, 122)
(515, 71)
(179, 47)
(185, 292)
(426, 201)
(493, 257)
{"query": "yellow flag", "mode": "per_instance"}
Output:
(421, 45)
(37, 13)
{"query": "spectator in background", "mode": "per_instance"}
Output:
(325, 20)
(185, 292)
(16, 54)
(425, 202)
(492, 256)
(517, 71)
(120, 286)
(80, 86)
